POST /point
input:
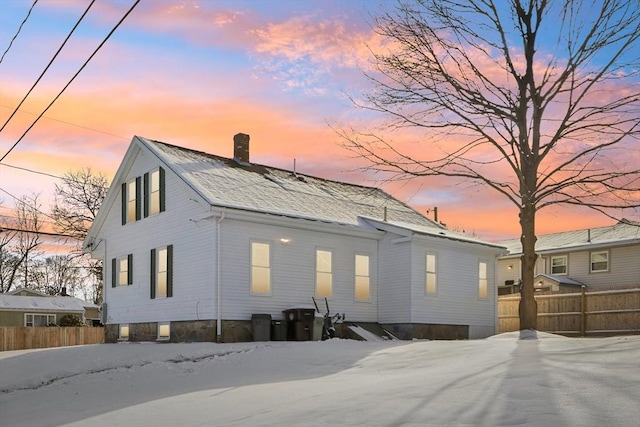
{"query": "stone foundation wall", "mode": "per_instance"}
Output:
(242, 331)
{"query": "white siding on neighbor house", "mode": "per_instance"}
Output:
(193, 239)
(394, 280)
(624, 267)
(457, 300)
(293, 269)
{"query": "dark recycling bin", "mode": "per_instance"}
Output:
(261, 326)
(299, 323)
(278, 330)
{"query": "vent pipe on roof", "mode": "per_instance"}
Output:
(385, 214)
(588, 235)
(241, 147)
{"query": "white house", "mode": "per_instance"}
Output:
(599, 257)
(194, 244)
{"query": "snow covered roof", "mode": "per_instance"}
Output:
(39, 304)
(228, 183)
(31, 292)
(563, 280)
(623, 233)
(440, 232)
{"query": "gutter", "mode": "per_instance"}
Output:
(218, 281)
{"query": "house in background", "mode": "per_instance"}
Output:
(194, 244)
(603, 257)
(16, 310)
(90, 312)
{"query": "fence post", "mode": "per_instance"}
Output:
(583, 311)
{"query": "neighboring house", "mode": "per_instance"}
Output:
(17, 310)
(193, 244)
(597, 257)
(91, 314)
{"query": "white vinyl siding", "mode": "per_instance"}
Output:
(260, 268)
(324, 273)
(362, 278)
(431, 286)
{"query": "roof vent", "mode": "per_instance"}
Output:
(241, 147)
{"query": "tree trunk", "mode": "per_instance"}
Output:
(528, 307)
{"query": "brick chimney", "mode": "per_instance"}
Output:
(241, 148)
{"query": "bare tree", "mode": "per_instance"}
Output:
(56, 274)
(19, 242)
(77, 202)
(541, 126)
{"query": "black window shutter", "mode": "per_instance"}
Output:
(153, 273)
(138, 198)
(146, 194)
(169, 271)
(114, 272)
(124, 203)
(130, 269)
(162, 191)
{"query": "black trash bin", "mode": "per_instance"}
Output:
(278, 330)
(261, 326)
(300, 323)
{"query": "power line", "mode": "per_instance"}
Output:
(44, 233)
(72, 79)
(29, 206)
(69, 123)
(18, 32)
(48, 65)
(32, 171)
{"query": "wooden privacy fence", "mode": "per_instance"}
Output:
(613, 312)
(22, 338)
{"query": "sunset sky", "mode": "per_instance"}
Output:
(194, 73)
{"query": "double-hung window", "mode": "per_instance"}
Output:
(482, 280)
(260, 268)
(131, 198)
(559, 265)
(162, 272)
(362, 279)
(431, 285)
(599, 261)
(154, 192)
(122, 271)
(324, 273)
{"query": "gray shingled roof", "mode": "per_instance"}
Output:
(40, 304)
(624, 232)
(248, 186)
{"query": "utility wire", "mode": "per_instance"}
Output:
(71, 124)
(29, 206)
(72, 79)
(44, 233)
(18, 32)
(48, 65)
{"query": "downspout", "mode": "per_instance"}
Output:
(218, 281)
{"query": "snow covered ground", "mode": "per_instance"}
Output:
(500, 381)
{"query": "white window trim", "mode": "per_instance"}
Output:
(120, 336)
(566, 265)
(355, 277)
(315, 281)
(426, 273)
(251, 291)
(486, 281)
(49, 316)
(164, 337)
(118, 260)
(591, 254)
